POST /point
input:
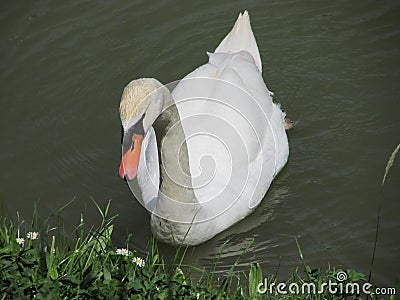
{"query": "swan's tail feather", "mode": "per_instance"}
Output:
(240, 38)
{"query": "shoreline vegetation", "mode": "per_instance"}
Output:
(36, 263)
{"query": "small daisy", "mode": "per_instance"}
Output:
(138, 261)
(33, 235)
(20, 241)
(123, 251)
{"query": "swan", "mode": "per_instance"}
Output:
(201, 154)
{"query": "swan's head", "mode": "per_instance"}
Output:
(141, 103)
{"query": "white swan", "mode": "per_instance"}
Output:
(203, 156)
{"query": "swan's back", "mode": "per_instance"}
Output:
(235, 133)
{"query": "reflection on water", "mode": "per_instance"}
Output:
(333, 66)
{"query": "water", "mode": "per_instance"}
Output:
(333, 66)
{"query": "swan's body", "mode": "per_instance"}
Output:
(219, 138)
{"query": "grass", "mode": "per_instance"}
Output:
(91, 267)
(389, 165)
(88, 268)
(39, 261)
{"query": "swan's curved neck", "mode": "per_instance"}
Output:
(175, 178)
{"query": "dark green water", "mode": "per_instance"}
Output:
(335, 66)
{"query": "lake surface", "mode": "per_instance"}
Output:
(334, 66)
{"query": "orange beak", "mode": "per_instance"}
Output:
(130, 159)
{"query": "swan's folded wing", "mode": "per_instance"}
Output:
(229, 121)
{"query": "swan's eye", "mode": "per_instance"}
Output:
(128, 137)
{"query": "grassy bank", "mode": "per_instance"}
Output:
(34, 263)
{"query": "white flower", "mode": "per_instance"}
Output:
(122, 251)
(33, 235)
(20, 241)
(139, 261)
(198, 296)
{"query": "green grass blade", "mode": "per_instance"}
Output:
(255, 278)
